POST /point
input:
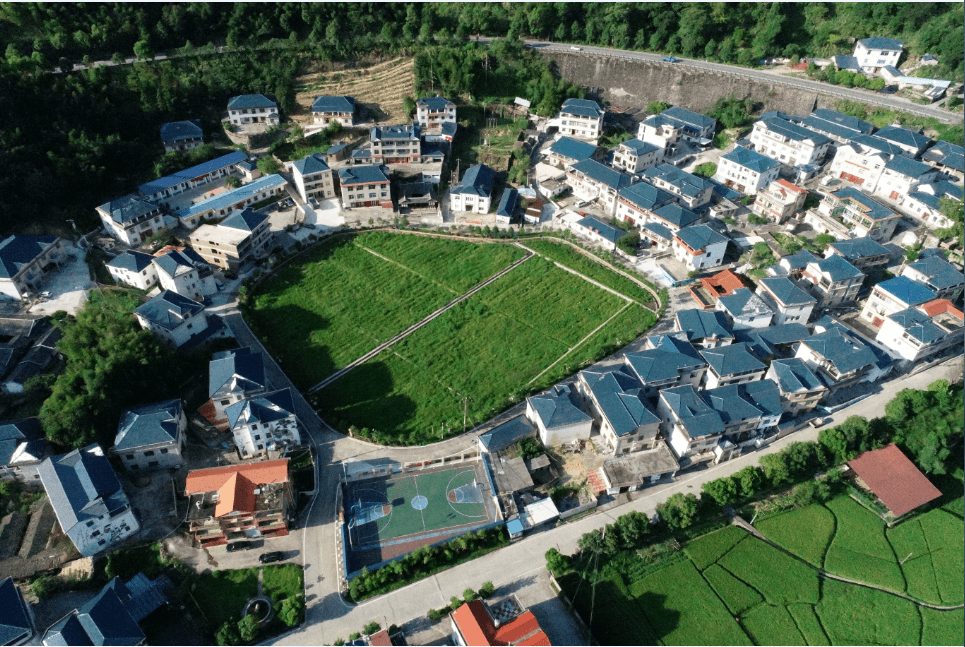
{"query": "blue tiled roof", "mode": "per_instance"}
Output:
(557, 408)
(177, 130)
(941, 274)
(333, 104)
(659, 230)
(247, 101)
(873, 209)
(766, 342)
(724, 191)
(335, 149)
(507, 433)
(908, 167)
(17, 250)
(751, 160)
(103, 620)
(168, 309)
(611, 234)
(406, 132)
(127, 208)
(735, 358)
(268, 407)
(15, 623)
(698, 237)
(918, 325)
(838, 268)
(905, 290)
(744, 303)
(689, 184)
(619, 395)
(799, 261)
(689, 117)
(820, 125)
(640, 147)
(81, 485)
(573, 149)
(507, 204)
(662, 363)
(243, 366)
(784, 290)
(858, 248)
(841, 349)
(846, 62)
(170, 262)
(435, 103)
(152, 187)
(847, 121)
(656, 121)
(13, 434)
(794, 132)
(794, 375)
(727, 401)
(697, 417)
(764, 395)
(448, 128)
(699, 324)
(478, 180)
(234, 196)
(148, 425)
(313, 163)
(950, 155)
(879, 144)
(877, 42)
(946, 188)
(582, 108)
(361, 153)
(646, 196)
(602, 174)
(245, 220)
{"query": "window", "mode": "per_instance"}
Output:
(149, 453)
(164, 451)
(130, 457)
(90, 523)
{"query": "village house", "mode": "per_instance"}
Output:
(133, 268)
(773, 342)
(152, 436)
(131, 219)
(87, 498)
(632, 472)
(239, 502)
(474, 191)
(704, 329)
(313, 178)
(507, 206)
(181, 136)
(420, 195)
(800, 388)
(22, 448)
(859, 164)
(433, 112)
(839, 127)
(253, 109)
(473, 624)
(699, 247)
(894, 295)
(740, 417)
(860, 213)
(792, 265)
(746, 171)
(395, 144)
(594, 181)
(242, 236)
(24, 262)
(864, 253)
(902, 176)
(744, 309)
(926, 330)
(731, 364)
(707, 290)
(566, 151)
(894, 481)
(874, 53)
(668, 361)
(938, 275)
(913, 142)
(690, 191)
(626, 421)
(636, 203)
(832, 280)
(160, 191)
(789, 302)
(263, 423)
(16, 615)
(657, 236)
(365, 186)
(172, 317)
(261, 190)
(233, 375)
(694, 127)
(789, 143)
(692, 427)
(636, 155)
(946, 157)
(557, 416)
(599, 233)
(186, 273)
(924, 204)
(662, 132)
(334, 110)
(779, 201)
(838, 357)
(581, 118)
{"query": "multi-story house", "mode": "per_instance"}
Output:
(16, 615)
(233, 375)
(172, 317)
(925, 203)
(894, 295)
(334, 110)
(864, 253)
(24, 262)
(636, 155)
(674, 217)
(627, 423)
(744, 309)
(692, 427)
(731, 364)
(779, 201)
(557, 416)
(186, 273)
(581, 118)
(774, 341)
(860, 213)
(239, 502)
(696, 128)
(241, 236)
(789, 143)
(231, 201)
(839, 127)
(566, 151)
(133, 268)
(746, 171)
(475, 191)
(597, 232)
(948, 158)
(699, 247)
(792, 265)
(253, 109)
(668, 362)
(313, 178)
(859, 164)
(131, 219)
(838, 358)
(832, 280)
(740, 417)
(88, 500)
(790, 303)
(800, 388)
(662, 132)
(875, 53)
(22, 449)
(637, 203)
(395, 144)
(263, 423)
(938, 275)
(689, 190)
(703, 328)
(765, 395)
(709, 289)
(913, 142)
(152, 436)
(916, 333)
(657, 236)
(433, 112)
(594, 181)
(365, 186)
(181, 136)
(161, 190)
(902, 176)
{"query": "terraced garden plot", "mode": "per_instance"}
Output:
(941, 627)
(857, 615)
(808, 624)
(606, 608)
(736, 595)
(385, 84)
(706, 550)
(779, 578)
(770, 625)
(911, 548)
(859, 549)
(944, 534)
(806, 532)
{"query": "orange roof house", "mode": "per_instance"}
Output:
(713, 287)
(940, 306)
(472, 625)
(894, 479)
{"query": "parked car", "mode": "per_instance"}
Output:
(575, 48)
(669, 59)
(274, 556)
(240, 545)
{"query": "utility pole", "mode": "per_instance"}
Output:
(465, 408)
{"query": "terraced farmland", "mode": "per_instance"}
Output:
(384, 84)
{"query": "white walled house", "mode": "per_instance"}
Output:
(916, 333)
(696, 128)
(671, 362)
(902, 176)
(475, 191)
(566, 151)
(22, 449)
(186, 273)
(925, 207)
(597, 232)
(365, 186)
(861, 214)
(858, 164)
(152, 436)
(24, 262)
(913, 142)
(625, 418)
(181, 136)
(91, 507)
(637, 203)
(557, 417)
(689, 190)
(253, 109)
(788, 143)
(832, 280)
(395, 144)
(334, 110)
(229, 202)
(581, 118)
(313, 178)
(662, 132)
(875, 53)
(241, 236)
(235, 164)
(263, 423)
(704, 329)
(746, 171)
(131, 219)
(837, 357)
(779, 201)
(172, 317)
(864, 253)
(691, 426)
(432, 112)
(732, 364)
(894, 295)
(948, 158)
(790, 303)
(591, 180)
(636, 155)
(233, 375)
(800, 388)
(938, 275)
(133, 268)
(744, 309)
(699, 247)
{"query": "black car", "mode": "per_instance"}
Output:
(240, 545)
(268, 558)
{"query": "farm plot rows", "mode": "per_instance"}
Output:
(385, 85)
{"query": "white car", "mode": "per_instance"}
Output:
(575, 48)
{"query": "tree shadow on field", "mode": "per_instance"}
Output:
(659, 619)
(364, 398)
(290, 333)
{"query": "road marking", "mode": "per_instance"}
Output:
(415, 479)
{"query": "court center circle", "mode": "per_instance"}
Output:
(419, 502)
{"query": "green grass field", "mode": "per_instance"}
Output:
(941, 627)
(779, 578)
(706, 550)
(860, 549)
(806, 532)
(736, 595)
(770, 625)
(856, 615)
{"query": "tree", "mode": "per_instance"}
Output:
(556, 562)
(248, 628)
(751, 480)
(268, 165)
(408, 104)
(228, 634)
(232, 182)
(723, 490)
(486, 590)
(469, 595)
(823, 240)
(632, 528)
(371, 628)
(142, 50)
(292, 610)
(656, 107)
(679, 510)
(731, 112)
(707, 169)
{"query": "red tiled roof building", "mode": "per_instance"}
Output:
(894, 479)
(472, 625)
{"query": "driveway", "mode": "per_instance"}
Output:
(67, 286)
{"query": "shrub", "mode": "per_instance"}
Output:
(487, 590)
(469, 595)
(371, 628)
(248, 628)
(228, 634)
